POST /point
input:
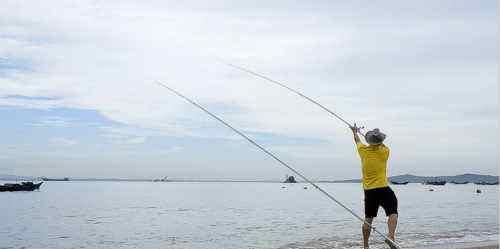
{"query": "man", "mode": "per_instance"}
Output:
(374, 158)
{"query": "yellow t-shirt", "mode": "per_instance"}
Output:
(374, 165)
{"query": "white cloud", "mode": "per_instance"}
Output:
(106, 57)
(31, 103)
(53, 121)
(136, 140)
(174, 149)
(62, 142)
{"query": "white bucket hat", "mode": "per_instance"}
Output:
(375, 137)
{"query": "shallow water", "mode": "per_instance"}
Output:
(234, 215)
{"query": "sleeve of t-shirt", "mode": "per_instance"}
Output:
(387, 151)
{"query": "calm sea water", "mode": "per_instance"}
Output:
(234, 216)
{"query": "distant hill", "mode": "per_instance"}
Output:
(458, 178)
(471, 178)
(420, 179)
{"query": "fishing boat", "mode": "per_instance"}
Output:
(23, 186)
(399, 183)
(164, 179)
(486, 183)
(454, 182)
(435, 183)
(290, 179)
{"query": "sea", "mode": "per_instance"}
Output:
(236, 215)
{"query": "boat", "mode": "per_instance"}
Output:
(23, 186)
(454, 182)
(399, 183)
(164, 179)
(290, 179)
(55, 179)
(486, 183)
(435, 183)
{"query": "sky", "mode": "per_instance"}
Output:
(78, 96)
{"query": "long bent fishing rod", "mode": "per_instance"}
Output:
(278, 160)
(290, 89)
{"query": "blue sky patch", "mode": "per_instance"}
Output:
(9, 65)
(29, 97)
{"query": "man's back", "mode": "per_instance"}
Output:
(374, 165)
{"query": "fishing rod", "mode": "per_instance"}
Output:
(290, 89)
(387, 239)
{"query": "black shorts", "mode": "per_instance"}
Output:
(384, 197)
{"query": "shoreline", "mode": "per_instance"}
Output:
(466, 245)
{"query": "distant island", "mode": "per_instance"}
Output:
(470, 178)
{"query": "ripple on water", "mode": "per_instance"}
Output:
(325, 243)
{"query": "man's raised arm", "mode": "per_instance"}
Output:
(355, 131)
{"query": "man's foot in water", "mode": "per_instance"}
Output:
(391, 245)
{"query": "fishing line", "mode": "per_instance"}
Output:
(288, 88)
(278, 160)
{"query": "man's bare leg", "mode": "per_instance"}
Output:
(392, 223)
(366, 232)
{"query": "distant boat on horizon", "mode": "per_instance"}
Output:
(164, 179)
(55, 179)
(290, 179)
(454, 182)
(399, 183)
(440, 183)
(486, 183)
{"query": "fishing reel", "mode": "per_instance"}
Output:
(358, 129)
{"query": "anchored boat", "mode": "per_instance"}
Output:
(486, 183)
(23, 186)
(290, 179)
(454, 182)
(435, 183)
(399, 183)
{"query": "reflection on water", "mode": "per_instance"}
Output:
(233, 215)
